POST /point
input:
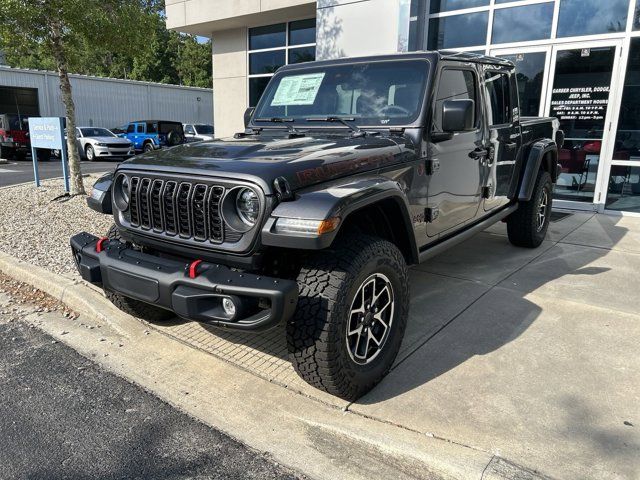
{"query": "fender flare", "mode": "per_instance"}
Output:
(100, 198)
(536, 154)
(339, 199)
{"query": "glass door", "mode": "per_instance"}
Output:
(621, 183)
(581, 79)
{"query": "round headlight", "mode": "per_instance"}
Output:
(248, 206)
(121, 192)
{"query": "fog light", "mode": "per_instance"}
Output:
(228, 306)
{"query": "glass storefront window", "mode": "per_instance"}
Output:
(266, 62)
(623, 192)
(520, 24)
(256, 87)
(437, 6)
(302, 54)
(580, 99)
(458, 31)
(627, 145)
(529, 75)
(269, 36)
(302, 32)
(591, 17)
(272, 46)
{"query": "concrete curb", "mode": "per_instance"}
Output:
(299, 432)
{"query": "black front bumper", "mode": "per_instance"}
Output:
(261, 302)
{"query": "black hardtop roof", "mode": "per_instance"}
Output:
(434, 56)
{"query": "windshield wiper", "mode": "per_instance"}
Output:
(291, 128)
(346, 121)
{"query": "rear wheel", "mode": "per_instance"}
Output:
(351, 316)
(528, 225)
(131, 306)
(7, 153)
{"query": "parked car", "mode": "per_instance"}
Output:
(14, 136)
(198, 132)
(149, 135)
(348, 172)
(95, 142)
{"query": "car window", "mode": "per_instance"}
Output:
(189, 129)
(203, 129)
(454, 85)
(140, 128)
(152, 127)
(96, 132)
(498, 106)
(130, 128)
(78, 132)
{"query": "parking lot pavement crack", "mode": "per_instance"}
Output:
(487, 466)
(413, 430)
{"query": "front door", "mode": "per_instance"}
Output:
(455, 188)
(582, 77)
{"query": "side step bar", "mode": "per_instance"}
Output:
(447, 243)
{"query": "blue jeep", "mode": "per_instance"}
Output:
(148, 135)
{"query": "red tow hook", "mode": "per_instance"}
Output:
(192, 268)
(100, 244)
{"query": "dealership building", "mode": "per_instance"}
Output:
(578, 60)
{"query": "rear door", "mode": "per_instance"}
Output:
(454, 189)
(503, 138)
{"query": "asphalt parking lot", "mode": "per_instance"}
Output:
(13, 173)
(62, 416)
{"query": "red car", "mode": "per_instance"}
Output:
(14, 136)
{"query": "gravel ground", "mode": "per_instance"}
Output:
(36, 228)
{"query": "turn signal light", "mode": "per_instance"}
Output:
(301, 226)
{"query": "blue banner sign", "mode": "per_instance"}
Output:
(48, 133)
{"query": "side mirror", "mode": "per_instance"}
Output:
(458, 115)
(248, 113)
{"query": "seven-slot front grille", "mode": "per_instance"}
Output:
(185, 209)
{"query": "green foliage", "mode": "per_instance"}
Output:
(111, 38)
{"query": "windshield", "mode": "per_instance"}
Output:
(96, 132)
(372, 94)
(18, 122)
(204, 129)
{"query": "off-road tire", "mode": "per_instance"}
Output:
(316, 336)
(147, 147)
(131, 306)
(522, 225)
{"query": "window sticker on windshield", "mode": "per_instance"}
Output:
(298, 90)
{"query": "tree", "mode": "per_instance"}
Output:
(61, 31)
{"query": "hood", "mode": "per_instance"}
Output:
(124, 141)
(302, 161)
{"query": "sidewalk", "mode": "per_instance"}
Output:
(528, 354)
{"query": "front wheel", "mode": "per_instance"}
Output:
(90, 153)
(147, 147)
(351, 316)
(528, 225)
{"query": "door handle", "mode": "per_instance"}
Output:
(479, 153)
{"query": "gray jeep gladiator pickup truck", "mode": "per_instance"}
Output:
(348, 172)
